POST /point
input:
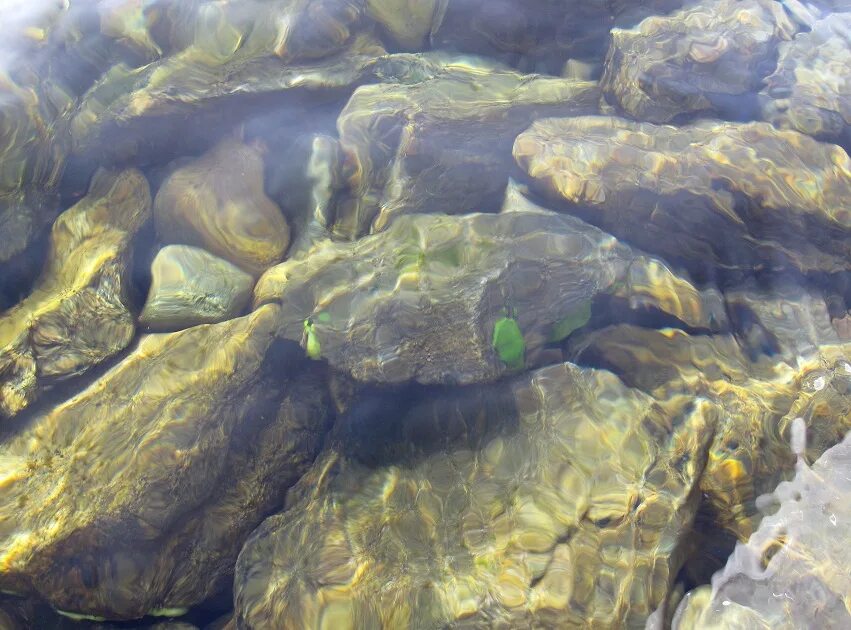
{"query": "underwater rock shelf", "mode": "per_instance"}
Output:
(395, 314)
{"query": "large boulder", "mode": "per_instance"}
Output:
(714, 196)
(134, 496)
(555, 499)
(435, 136)
(458, 299)
(77, 314)
(708, 58)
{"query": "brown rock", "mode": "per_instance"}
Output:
(217, 202)
(558, 498)
(715, 196)
(422, 300)
(436, 134)
(707, 58)
(134, 496)
(77, 315)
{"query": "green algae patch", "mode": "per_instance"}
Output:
(311, 340)
(508, 342)
(574, 320)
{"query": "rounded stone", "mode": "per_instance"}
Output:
(190, 286)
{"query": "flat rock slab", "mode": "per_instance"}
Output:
(558, 498)
(231, 60)
(77, 314)
(421, 301)
(716, 196)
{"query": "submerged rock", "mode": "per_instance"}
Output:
(33, 154)
(558, 498)
(782, 319)
(239, 60)
(218, 203)
(77, 314)
(810, 91)
(537, 35)
(794, 568)
(409, 23)
(707, 58)
(134, 496)
(421, 300)
(750, 453)
(714, 196)
(436, 136)
(305, 178)
(190, 286)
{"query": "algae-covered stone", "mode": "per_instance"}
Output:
(421, 301)
(559, 498)
(135, 495)
(707, 58)
(761, 399)
(190, 286)
(810, 90)
(793, 571)
(436, 135)
(218, 203)
(77, 314)
(715, 196)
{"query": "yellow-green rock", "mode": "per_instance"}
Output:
(716, 196)
(560, 498)
(435, 135)
(134, 496)
(77, 315)
(408, 22)
(190, 286)
(761, 399)
(420, 301)
(218, 203)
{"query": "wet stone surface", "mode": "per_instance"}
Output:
(412, 315)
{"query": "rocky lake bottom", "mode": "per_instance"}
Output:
(425, 314)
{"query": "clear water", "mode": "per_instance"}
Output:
(424, 314)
